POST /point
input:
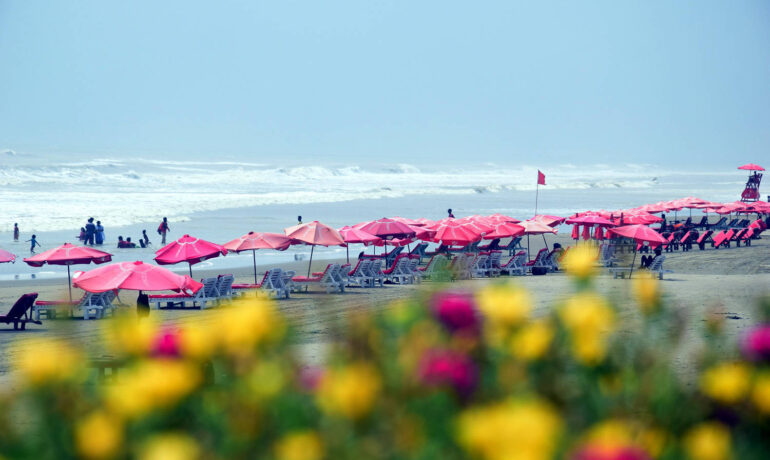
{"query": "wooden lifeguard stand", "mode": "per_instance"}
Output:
(751, 192)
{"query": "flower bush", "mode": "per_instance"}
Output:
(447, 374)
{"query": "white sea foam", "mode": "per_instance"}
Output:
(54, 196)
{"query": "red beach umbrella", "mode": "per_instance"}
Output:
(497, 217)
(253, 241)
(69, 254)
(357, 236)
(455, 234)
(536, 227)
(599, 234)
(751, 167)
(551, 221)
(136, 276)
(591, 220)
(188, 249)
(575, 231)
(505, 230)
(424, 222)
(388, 229)
(640, 234)
(315, 234)
(6, 257)
(586, 232)
(408, 221)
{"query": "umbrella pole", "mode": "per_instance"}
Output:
(544, 241)
(528, 256)
(347, 253)
(312, 248)
(254, 256)
(633, 264)
(69, 282)
(190, 265)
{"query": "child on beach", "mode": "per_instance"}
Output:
(16, 232)
(82, 236)
(145, 238)
(32, 243)
(162, 229)
(449, 212)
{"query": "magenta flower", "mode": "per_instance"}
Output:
(456, 311)
(756, 344)
(598, 452)
(448, 368)
(166, 344)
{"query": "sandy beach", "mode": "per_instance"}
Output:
(726, 282)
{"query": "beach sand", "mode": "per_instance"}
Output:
(726, 282)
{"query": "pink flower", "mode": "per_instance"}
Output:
(456, 311)
(756, 344)
(310, 377)
(448, 368)
(599, 452)
(166, 344)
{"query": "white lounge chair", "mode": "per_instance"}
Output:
(207, 294)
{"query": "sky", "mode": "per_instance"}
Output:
(675, 83)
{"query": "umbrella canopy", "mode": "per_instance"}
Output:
(254, 240)
(536, 227)
(69, 254)
(751, 167)
(639, 233)
(188, 249)
(639, 217)
(357, 236)
(455, 234)
(505, 230)
(497, 217)
(408, 221)
(137, 276)
(591, 220)
(315, 234)
(424, 222)
(551, 221)
(6, 257)
(388, 229)
(259, 240)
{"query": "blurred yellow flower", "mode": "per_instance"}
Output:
(150, 385)
(726, 382)
(589, 320)
(760, 394)
(511, 430)
(646, 290)
(708, 441)
(580, 261)
(39, 361)
(504, 304)
(198, 340)
(350, 391)
(98, 435)
(533, 340)
(170, 446)
(248, 323)
(616, 434)
(266, 380)
(130, 336)
(299, 445)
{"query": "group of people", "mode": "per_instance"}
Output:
(92, 234)
(144, 241)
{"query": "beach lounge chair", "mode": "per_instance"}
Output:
(205, 295)
(656, 267)
(538, 260)
(513, 246)
(493, 245)
(460, 266)
(419, 251)
(272, 283)
(326, 279)
(375, 272)
(718, 239)
(415, 276)
(515, 265)
(225, 287)
(20, 313)
(359, 275)
(551, 261)
(494, 262)
(390, 257)
(88, 303)
(704, 222)
(478, 267)
(436, 267)
(397, 272)
(704, 238)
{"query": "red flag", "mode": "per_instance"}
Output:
(540, 178)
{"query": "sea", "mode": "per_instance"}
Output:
(220, 199)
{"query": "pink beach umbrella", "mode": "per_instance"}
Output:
(575, 232)
(136, 276)
(254, 240)
(314, 234)
(69, 254)
(453, 233)
(6, 257)
(751, 167)
(586, 232)
(640, 234)
(505, 230)
(599, 233)
(188, 249)
(356, 236)
(388, 229)
(551, 221)
(497, 218)
(537, 227)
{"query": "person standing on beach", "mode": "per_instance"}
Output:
(299, 220)
(163, 229)
(145, 238)
(142, 305)
(32, 243)
(99, 233)
(16, 232)
(90, 231)
(449, 211)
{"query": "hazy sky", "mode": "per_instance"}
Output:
(498, 81)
